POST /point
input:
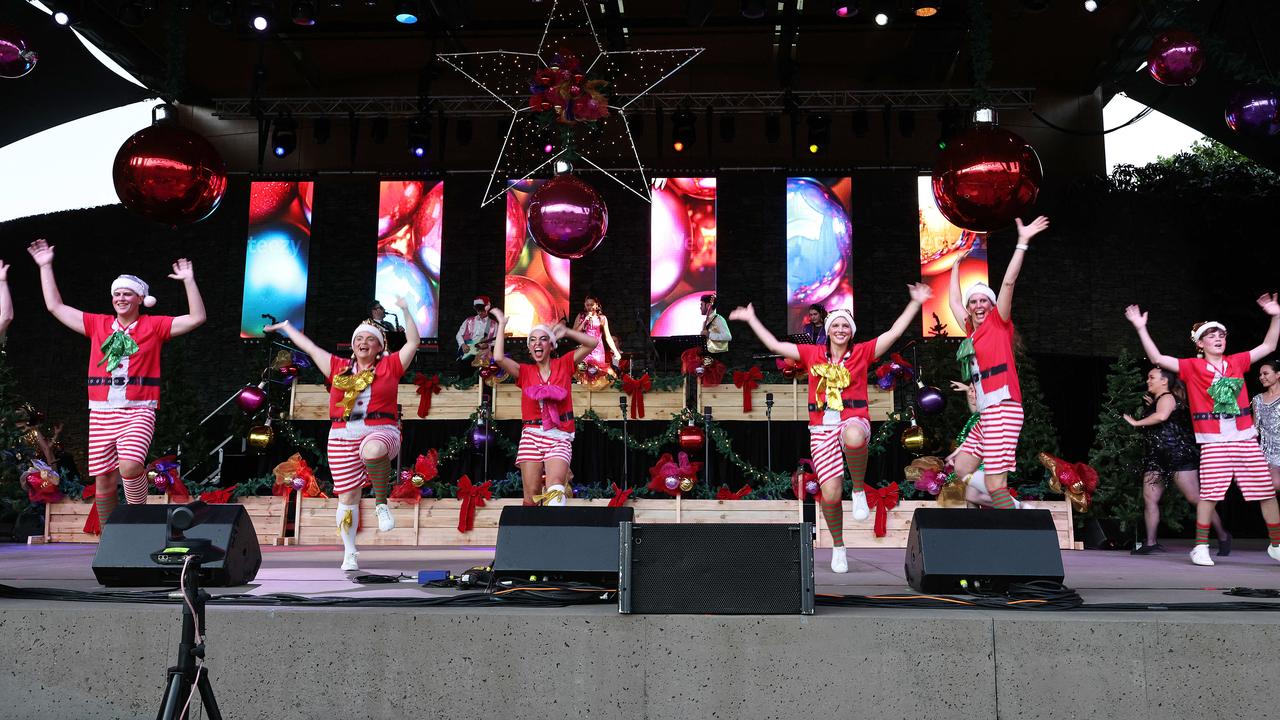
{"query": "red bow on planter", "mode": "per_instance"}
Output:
(406, 490)
(635, 388)
(472, 497)
(220, 496)
(427, 386)
(788, 367)
(882, 500)
(91, 524)
(620, 496)
(724, 493)
(671, 477)
(748, 380)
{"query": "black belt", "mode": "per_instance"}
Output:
(122, 381)
(365, 416)
(984, 374)
(567, 417)
(848, 404)
(1244, 412)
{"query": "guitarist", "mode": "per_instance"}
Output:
(475, 335)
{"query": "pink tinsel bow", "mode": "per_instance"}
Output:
(549, 398)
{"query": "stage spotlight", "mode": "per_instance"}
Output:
(753, 9)
(1091, 5)
(906, 123)
(61, 18)
(260, 23)
(845, 8)
(419, 135)
(924, 8)
(378, 130)
(819, 128)
(303, 13)
(334, 4)
(882, 19)
(320, 130)
(220, 12)
(683, 132)
(548, 148)
(284, 136)
(407, 12)
(772, 128)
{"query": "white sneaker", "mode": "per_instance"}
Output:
(1024, 505)
(349, 561)
(386, 523)
(1274, 552)
(860, 509)
(1200, 555)
(839, 563)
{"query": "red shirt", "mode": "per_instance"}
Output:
(1209, 426)
(379, 399)
(561, 374)
(138, 374)
(996, 374)
(856, 360)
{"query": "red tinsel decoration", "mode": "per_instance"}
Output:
(620, 496)
(724, 493)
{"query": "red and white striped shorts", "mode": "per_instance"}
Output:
(538, 446)
(119, 434)
(995, 438)
(1241, 458)
(826, 448)
(345, 464)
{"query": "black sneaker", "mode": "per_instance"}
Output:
(1224, 545)
(1148, 549)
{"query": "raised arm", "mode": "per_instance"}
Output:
(511, 367)
(586, 343)
(6, 301)
(919, 294)
(411, 337)
(955, 296)
(1164, 408)
(1004, 299)
(1139, 320)
(774, 345)
(322, 359)
(1271, 307)
(183, 270)
(42, 253)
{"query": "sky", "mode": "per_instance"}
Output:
(1146, 140)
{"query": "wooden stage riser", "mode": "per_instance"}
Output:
(311, 402)
(64, 521)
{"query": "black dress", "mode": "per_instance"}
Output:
(1171, 445)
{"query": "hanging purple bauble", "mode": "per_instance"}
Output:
(567, 217)
(1254, 110)
(985, 178)
(1175, 58)
(481, 437)
(930, 400)
(250, 399)
(16, 57)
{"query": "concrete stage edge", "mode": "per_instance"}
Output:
(90, 660)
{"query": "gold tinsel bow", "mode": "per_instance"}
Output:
(832, 380)
(351, 386)
(548, 497)
(345, 523)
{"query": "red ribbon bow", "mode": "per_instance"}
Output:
(668, 467)
(620, 496)
(91, 524)
(724, 493)
(406, 490)
(748, 380)
(220, 496)
(883, 500)
(635, 388)
(472, 497)
(427, 386)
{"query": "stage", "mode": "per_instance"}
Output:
(106, 660)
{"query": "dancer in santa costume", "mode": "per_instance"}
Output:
(986, 361)
(839, 419)
(6, 302)
(1222, 420)
(124, 373)
(365, 435)
(546, 407)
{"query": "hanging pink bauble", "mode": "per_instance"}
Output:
(1175, 58)
(169, 174)
(567, 217)
(985, 178)
(1254, 110)
(16, 58)
(250, 399)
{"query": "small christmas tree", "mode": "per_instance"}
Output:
(1117, 448)
(1039, 435)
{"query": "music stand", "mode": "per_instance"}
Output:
(800, 339)
(671, 347)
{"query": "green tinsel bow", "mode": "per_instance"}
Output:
(1224, 392)
(116, 348)
(964, 356)
(964, 433)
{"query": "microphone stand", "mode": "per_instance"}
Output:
(768, 430)
(706, 442)
(626, 448)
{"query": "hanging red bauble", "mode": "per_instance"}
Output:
(692, 437)
(985, 178)
(567, 217)
(1175, 58)
(16, 58)
(169, 174)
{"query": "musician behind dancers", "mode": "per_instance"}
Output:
(814, 323)
(475, 337)
(378, 315)
(714, 328)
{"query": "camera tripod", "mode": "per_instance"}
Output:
(189, 674)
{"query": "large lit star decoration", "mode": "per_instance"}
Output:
(563, 112)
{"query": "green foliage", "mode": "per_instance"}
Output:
(1038, 433)
(1117, 448)
(1208, 169)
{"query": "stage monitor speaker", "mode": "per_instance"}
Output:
(722, 569)
(955, 550)
(133, 532)
(559, 541)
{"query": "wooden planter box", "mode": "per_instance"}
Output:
(64, 521)
(435, 522)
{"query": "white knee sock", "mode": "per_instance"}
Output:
(348, 530)
(564, 496)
